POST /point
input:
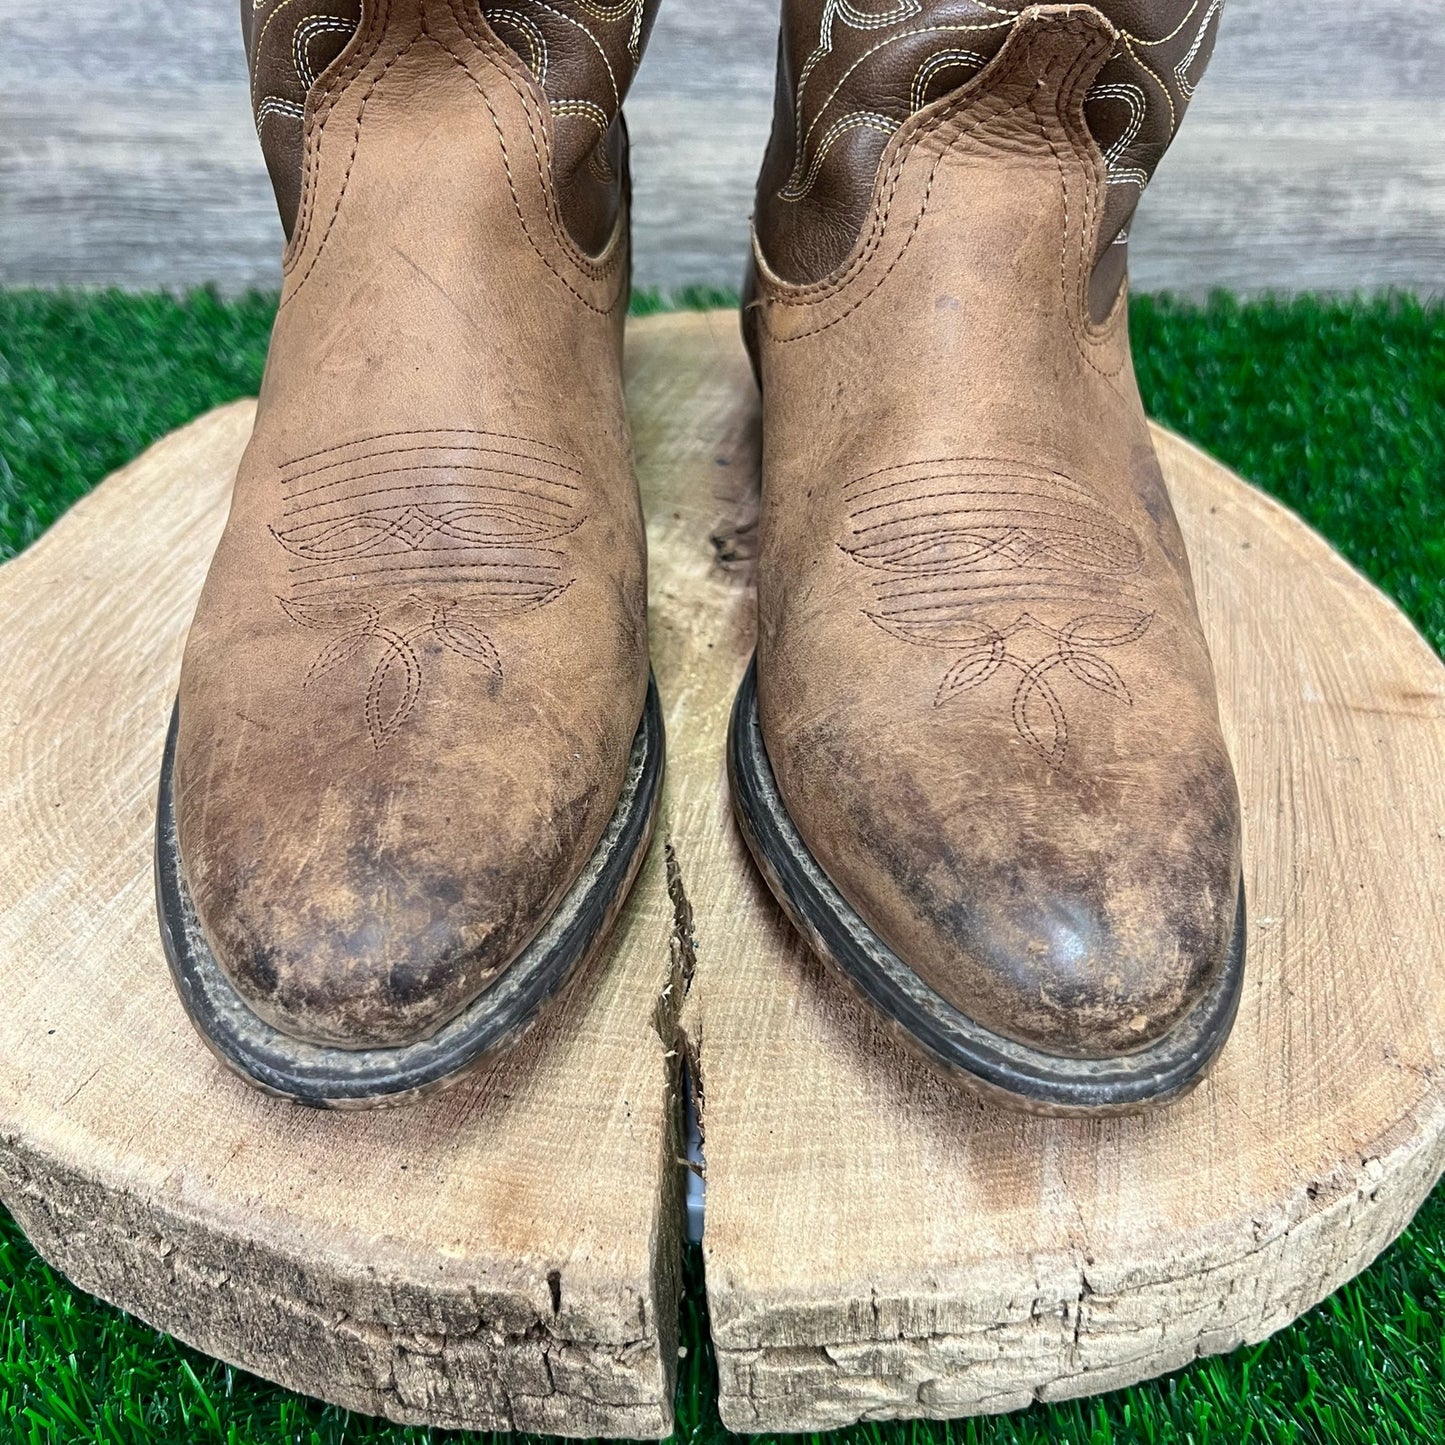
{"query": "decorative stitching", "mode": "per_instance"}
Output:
(944, 60)
(1133, 98)
(324, 96)
(290, 511)
(992, 108)
(258, 41)
(445, 431)
(595, 42)
(1087, 336)
(346, 175)
(593, 113)
(1013, 538)
(839, 16)
(943, 462)
(412, 526)
(273, 105)
(539, 132)
(841, 12)
(380, 577)
(821, 291)
(541, 150)
(486, 44)
(483, 43)
(870, 120)
(1181, 71)
(307, 31)
(528, 28)
(449, 466)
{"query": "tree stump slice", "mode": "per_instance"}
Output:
(879, 1242)
(504, 1255)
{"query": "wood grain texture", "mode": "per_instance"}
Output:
(1312, 157)
(501, 1256)
(881, 1243)
(878, 1242)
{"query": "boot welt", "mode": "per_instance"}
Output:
(335, 1078)
(1000, 1068)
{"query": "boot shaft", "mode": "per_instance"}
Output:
(583, 53)
(850, 74)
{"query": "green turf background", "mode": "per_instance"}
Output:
(1337, 408)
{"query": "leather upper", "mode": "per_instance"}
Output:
(583, 53)
(850, 75)
(982, 681)
(420, 655)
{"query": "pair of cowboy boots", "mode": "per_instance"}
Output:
(416, 753)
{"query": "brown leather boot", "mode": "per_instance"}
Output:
(980, 759)
(416, 756)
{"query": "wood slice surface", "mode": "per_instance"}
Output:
(881, 1243)
(878, 1241)
(501, 1256)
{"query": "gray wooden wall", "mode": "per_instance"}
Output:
(1313, 158)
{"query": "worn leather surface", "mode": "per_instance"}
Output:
(982, 680)
(583, 53)
(420, 654)
(849, 75)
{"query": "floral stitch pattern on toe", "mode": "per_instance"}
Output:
(1015, 570)
(421, 541)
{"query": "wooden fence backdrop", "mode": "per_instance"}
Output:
(1313, 157)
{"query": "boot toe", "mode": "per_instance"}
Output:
(1079, 923)
(374, 897)
(1082, 968)
(357, 965)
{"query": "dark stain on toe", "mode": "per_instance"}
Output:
(1043, 919)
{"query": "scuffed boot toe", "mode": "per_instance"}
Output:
(350, 945)
(364, 953)
(1080, 967)
(1058, 974)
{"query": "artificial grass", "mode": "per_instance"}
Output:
(1338, 408)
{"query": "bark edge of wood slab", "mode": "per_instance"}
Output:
(328, 1077)
(1000, 1068)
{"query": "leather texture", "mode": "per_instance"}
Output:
(420, 655)
(850, 74)
(983, 685)
(583, 53)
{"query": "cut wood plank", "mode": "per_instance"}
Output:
(502, 1256)
(881, 1243)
